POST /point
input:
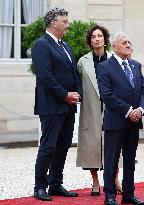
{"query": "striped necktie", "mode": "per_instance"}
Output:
(128, 73)
(64, 49)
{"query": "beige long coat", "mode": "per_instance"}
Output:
(89, 151)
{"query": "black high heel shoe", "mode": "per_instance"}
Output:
(118, 189)
(95, 193)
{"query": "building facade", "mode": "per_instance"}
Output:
(17, 84)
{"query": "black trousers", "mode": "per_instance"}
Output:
(114, 141)
(57, 133)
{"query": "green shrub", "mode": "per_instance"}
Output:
(75, 36)
(31, 32)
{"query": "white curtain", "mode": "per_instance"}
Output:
(6, 17)
(32, 10)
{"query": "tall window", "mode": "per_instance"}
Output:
(14, 14)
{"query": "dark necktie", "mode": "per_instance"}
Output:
(61, 44)
(128, 73)
(63, 49)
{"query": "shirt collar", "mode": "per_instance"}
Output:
(54, 38)
(120, 60)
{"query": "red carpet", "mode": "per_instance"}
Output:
(83, 199)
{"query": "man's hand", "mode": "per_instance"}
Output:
(72, 98)
(135, 115)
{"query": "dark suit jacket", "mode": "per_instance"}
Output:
(55, 77)
(118, 94)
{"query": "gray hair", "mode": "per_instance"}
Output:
(52, 15)
(117, 36)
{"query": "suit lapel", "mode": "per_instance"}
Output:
(90, 70)
(68, 49)
(57, 47)
(116, 66)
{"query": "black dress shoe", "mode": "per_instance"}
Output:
(111, 202)
(131, 200)
(60, 191)
(41, 194)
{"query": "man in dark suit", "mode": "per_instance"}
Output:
(121, 88)
(58, 89)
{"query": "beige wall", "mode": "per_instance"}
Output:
(121, 15)
(77, 8)
(134, 26)
(116, 15)
(17, 84)
(16, 99)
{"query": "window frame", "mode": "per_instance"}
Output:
(17, 33)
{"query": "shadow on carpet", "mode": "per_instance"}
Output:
(84, 198)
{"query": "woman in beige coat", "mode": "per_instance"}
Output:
(90, 149)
